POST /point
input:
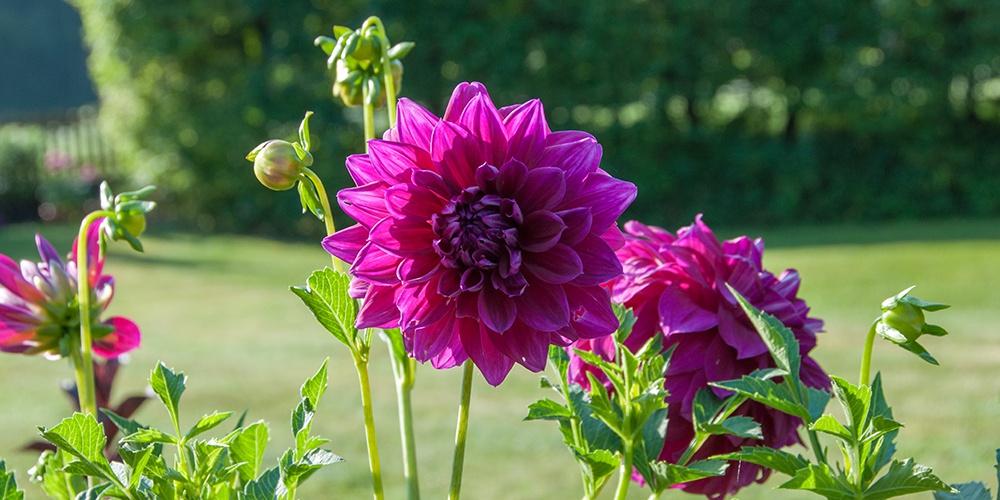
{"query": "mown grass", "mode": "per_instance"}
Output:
(218, 309)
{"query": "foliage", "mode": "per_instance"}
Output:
(226, 467)
(20, 149)
(750, 112)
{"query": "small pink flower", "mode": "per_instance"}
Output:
(38, 304)
(482, 234)
(675, 285)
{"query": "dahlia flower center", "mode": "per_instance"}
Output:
(477, 236)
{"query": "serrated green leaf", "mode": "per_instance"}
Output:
(704, 407)
(966, 491)
(314, 388)
(248, 447)
(560, 360)
(654, 431)
(302, 417)
(626, 320)
(82, 437)
(766, 392)
(8, 485)
(168, 386)
(778, 460)
(779, 339)
(819, 480)
(818, 399)
(262, 488)
(327, 298)
(594, 360)
(143, 436)
(855, 401)
(668, 474)
(598, 464)
(827, 424)
(739, 426)
(125, 425)
(94, 493)
(546, 409)
(206, 423)
(904, 478)
(138, 465)
(596, 433)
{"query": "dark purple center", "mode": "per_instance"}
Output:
(477, 236)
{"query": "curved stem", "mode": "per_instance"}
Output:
(866, 357)
(83, 358)
(390, 85)
(361, 363)
(460, 433)
(324, 199)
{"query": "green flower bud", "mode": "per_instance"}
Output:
(277, 165)
(906, 319)
(133, 223)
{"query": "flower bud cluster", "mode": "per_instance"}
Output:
(360, 59)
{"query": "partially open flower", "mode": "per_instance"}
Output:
(483, 234)
(675, 285)
(277, 164)
(39, 310)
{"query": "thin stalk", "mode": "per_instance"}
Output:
(390, 85)
(324, 199)
(460, 433)
(369, 115)
(403, 389)
(626, 473)
(731, 406)
(83, 359)
(361, 363)
(866, 357)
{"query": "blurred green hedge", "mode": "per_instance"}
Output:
(752, 112)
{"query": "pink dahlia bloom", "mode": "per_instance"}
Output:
(676, 286)
(38, 304)
(482, 234)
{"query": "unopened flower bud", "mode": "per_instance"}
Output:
(277, 165)
(134, 223)
(906, 319)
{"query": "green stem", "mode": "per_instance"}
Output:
(460, 433)
(390, 85)
(866, 357)
(626, 473)
(404, 371)
(324, 199)
(368, 113)
(361, 363)
(83, 358)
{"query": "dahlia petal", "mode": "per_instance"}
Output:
(680, 314)
(492, 363)
(787, 284)
(393, 161)
(575, 152)
(510, 178)
(122, 339)
(419, 305)
(414, 124)
(527, 129)
(428, 342)
(541, 231)
(600, 264)
(495, 310)
(433, 181)
(378, 309)
(375, 265)
(463, 94)
(451, 356)
(614, 237)
(408, 236)
(744, 339)
(526, 346)
(361, 169)
(406, 200)
(543, 188)
(543, 307)
(608, 197)
(560, 264)
(46, 251)
(450, 284)
(578, 222)
(480, 117)
(591, 312)
(346, 243)
(455, 154)
(418, 269)
(12, 280)
(365, 204)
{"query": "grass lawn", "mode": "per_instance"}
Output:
(218, 309)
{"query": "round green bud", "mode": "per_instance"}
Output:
(134, 223)
(277, 165)
(905, 318)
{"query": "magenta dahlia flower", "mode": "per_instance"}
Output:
(483, 235)
(39, 310)
(675, 285)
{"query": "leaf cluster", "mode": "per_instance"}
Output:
(226, 467)
(865, 440)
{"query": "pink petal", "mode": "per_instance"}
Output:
(578, 223)
(346, 243)
(560, 264)
(11, 279)
(476, 342)
(419, 268)
(680, 314)
(606, 196)
(481, 119)
(428, 342)
(455, 154)
(414, 124)
(460, 98)
(543, 189)
(378, 309)
(577, 153)
(409, 236)
(526, 130)
(122, 339)
(420, 305)
(541, 231)
(405, 200)
(361, 169)
(543, 307)
(600, 264)
(496, 311)
(590, 311)
(525, 345)
(393, 161)
(365, 204)
(375, 265)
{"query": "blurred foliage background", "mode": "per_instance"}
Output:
(753, 112)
